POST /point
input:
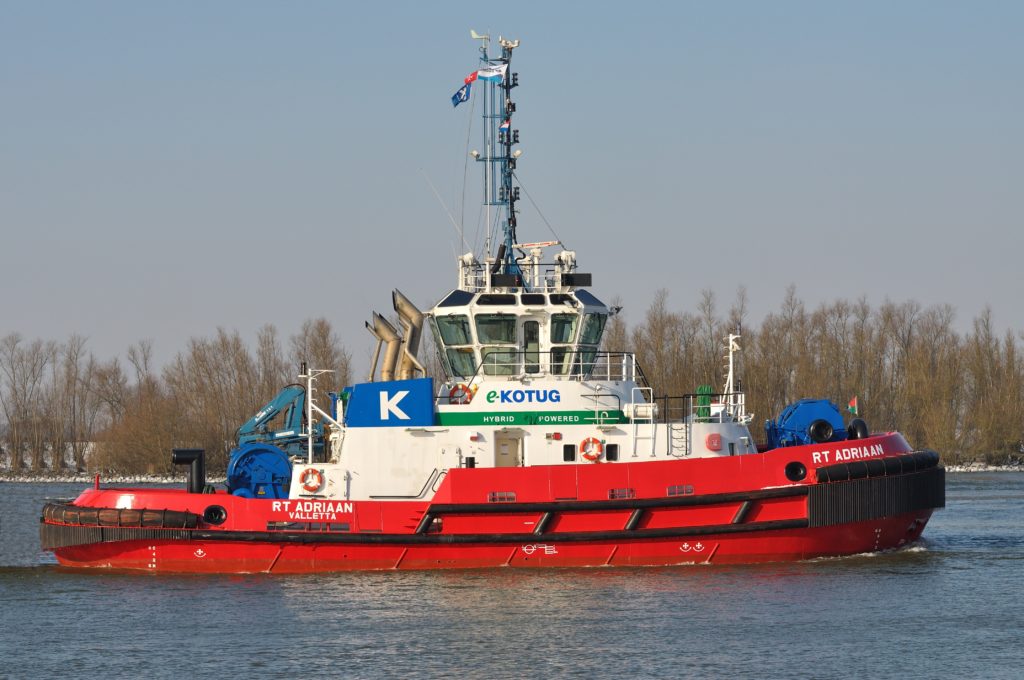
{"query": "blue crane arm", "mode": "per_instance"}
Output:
(292, 397)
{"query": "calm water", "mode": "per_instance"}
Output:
(950, 606)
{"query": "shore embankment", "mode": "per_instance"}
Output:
(90, 478)
(984, 467)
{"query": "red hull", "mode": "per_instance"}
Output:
(219, 557)
(741, 509)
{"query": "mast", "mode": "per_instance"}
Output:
(499, 158)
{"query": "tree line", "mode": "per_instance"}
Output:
(957, 393)
(961, 394)
(62, 409)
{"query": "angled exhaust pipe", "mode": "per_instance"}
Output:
(389, 334)
(412, 323)
(376, 351)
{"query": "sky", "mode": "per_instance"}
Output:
(170, 168)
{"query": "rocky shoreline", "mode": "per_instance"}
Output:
(983, 467)
(85, 478)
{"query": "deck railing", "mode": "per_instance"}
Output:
(567, 364)
(536, 276)
(582, 364)
(703, 408)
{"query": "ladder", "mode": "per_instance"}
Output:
(642, 413)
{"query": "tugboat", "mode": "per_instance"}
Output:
(535, 448)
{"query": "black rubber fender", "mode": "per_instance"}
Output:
(882, 467)
(68, 513)
(875, 467)
(858, 429)
(820, 431)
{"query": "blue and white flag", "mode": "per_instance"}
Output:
(492, 73)
(504, 126)
(462, 95)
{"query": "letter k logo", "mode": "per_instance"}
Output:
(388, 406)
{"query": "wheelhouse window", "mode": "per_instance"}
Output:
(496, 299)
(586, 357)
(593, 327)
(442, 356)
(462, 361)
(563, 334)
(494, 329)
(454, 329)
(500, 361)
(563, 328)
(590, 338)
(498, 329)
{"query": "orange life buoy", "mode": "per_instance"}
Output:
(311, 480)
(461, 394)
(591, 448)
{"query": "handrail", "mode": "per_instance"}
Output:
(538, 277)
(570, 363)
(434, 475)
(720, 407)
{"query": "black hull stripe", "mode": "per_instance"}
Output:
(628, 504)
(462, 539)
(52, 533)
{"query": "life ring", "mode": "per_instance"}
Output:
(461, 394)
(591, 448)
(311, 480)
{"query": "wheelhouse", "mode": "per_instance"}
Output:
(506, 334)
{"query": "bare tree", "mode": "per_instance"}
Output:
(69, 404)
(738, 311)
(22, 371)
(140, 419)
(273, 373)
(709, 360)
(616, 333)
(318, 345)
(215, 388)
(109, 386)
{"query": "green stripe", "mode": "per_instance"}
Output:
(506, 418)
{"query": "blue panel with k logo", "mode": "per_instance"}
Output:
(397, 403)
